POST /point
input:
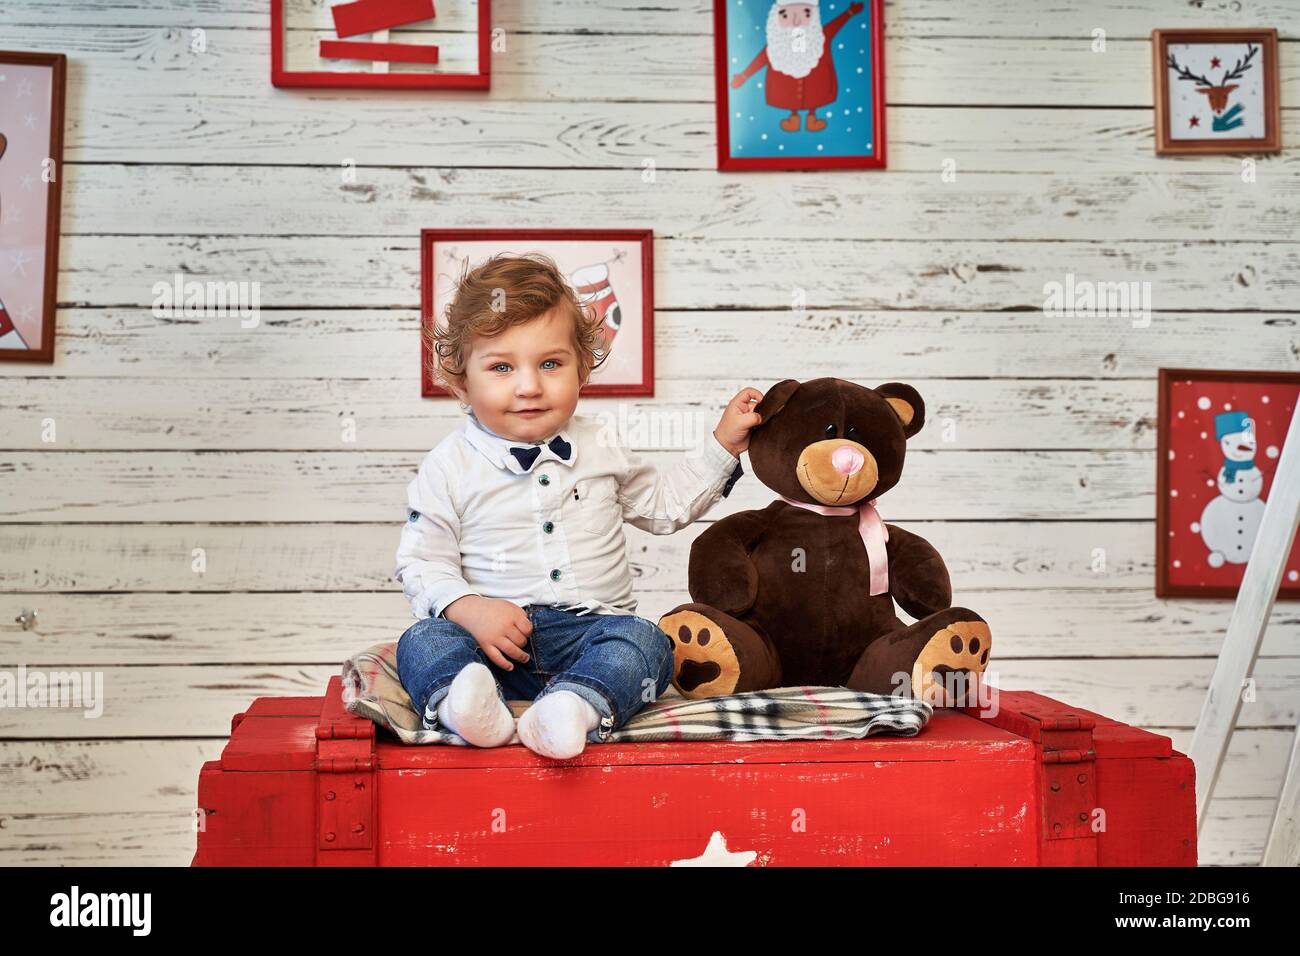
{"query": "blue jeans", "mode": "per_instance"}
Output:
(618, 663)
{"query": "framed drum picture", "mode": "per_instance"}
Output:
(611, 272)
(31, 175)
(1219, 437)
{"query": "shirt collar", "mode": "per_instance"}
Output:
(496, 448)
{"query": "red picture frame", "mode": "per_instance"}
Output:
(728, 162)
(643, 238)
(57, 65)
(1191, 522)
(281, 76)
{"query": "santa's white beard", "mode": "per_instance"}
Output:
(782, 53)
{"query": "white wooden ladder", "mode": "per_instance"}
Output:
(1236, 661)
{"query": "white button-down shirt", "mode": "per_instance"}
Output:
(479, 523)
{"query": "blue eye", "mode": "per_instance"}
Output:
(500, 365)
(552, 360)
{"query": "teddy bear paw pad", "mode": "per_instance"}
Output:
(948, 669)
(704, 662)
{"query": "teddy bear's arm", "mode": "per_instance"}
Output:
(720, 572)
(918, 578)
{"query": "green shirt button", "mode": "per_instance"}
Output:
(555, 574)
(548, 527)
(544, 479)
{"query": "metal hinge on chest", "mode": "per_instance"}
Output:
(1069, 778)
(345, 784)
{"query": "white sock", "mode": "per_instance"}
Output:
(557, 725)
(473, 710)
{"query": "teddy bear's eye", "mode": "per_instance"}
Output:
(830, 431)
(852, 435)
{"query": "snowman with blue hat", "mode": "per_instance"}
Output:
(1230, 522)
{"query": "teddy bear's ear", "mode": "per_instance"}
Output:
(907, 405)
(774, 399)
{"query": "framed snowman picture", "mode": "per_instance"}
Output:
(1219, 438)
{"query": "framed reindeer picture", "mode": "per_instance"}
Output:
(1216, 91)
(381, 44)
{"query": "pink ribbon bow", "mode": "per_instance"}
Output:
(872, 530)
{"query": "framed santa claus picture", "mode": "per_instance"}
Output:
(31, 173)
(799, 85)
(611, 272)
(1219, 437)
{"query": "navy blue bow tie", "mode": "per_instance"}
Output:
(526, 456)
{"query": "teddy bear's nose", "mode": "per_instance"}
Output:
(847, 461)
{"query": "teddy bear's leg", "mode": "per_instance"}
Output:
(938, 659)
(715, 653)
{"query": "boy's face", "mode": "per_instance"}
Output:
(523, 384)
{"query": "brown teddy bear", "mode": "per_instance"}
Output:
(802, 592)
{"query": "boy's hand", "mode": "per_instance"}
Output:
(501, 627)
(737, 419)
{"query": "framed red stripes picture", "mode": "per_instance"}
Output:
(610, 270)
(381, 44)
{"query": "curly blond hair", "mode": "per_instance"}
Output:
(505, 291)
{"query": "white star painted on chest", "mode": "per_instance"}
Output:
(717, 854)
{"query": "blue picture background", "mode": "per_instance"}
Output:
(754, 125)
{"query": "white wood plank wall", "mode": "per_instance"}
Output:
(182, 434)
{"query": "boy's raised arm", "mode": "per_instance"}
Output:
(667, 500)
(662, 503)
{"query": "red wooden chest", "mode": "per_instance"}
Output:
(302, 782)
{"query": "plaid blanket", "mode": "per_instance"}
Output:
(371, 688)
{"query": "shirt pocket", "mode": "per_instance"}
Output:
(599, 509)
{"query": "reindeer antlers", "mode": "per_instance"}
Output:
(1185, 74)
(1242, 66)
